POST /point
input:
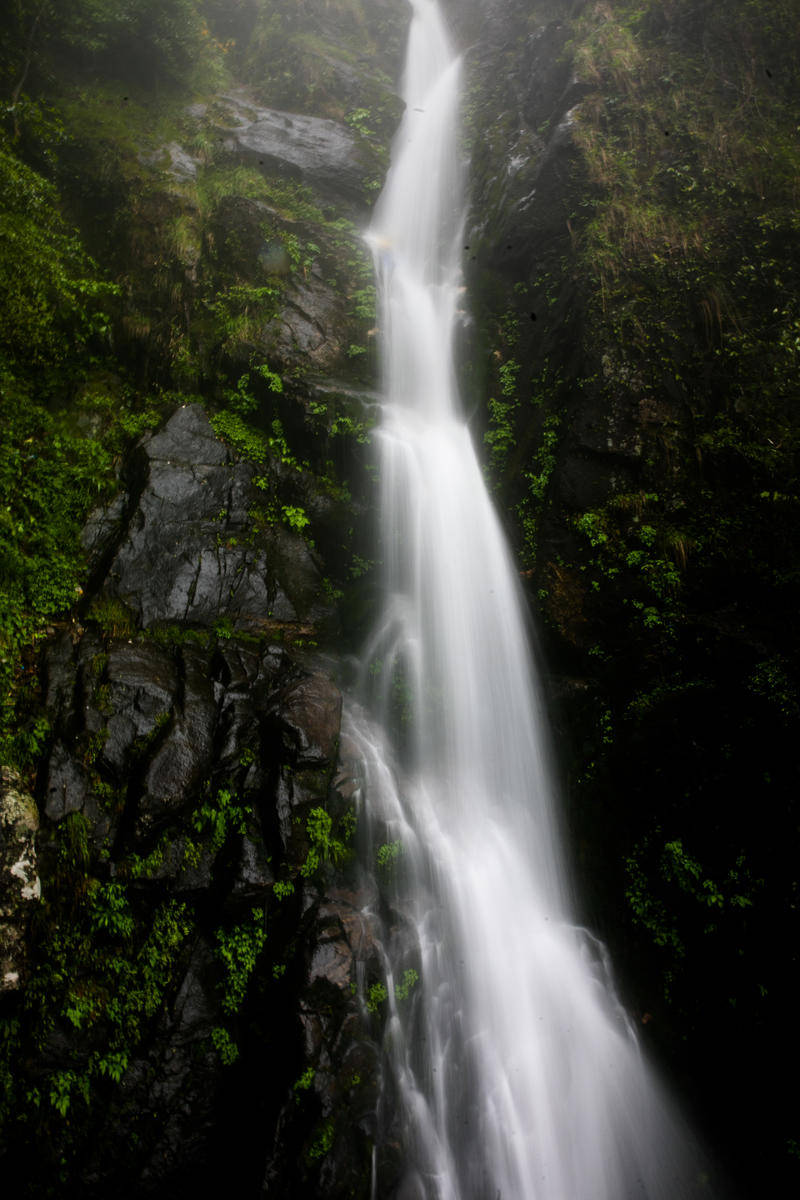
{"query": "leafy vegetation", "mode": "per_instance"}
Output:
(105, 974)
(65, 418)
(238, 949)
(326, 844)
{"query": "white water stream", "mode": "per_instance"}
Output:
(515, 1071)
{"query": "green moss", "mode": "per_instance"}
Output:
(112, 615)
(323, 1142)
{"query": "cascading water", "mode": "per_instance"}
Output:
(514, 1068)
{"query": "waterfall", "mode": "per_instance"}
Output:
(514, 1069)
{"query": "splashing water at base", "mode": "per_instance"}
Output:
(516, 1072)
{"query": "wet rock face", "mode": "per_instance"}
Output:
(20, 886)
(219, 945)
(179, 546)
(178, 759)
(314, 149)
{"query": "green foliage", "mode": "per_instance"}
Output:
(363, 303)
(772, 680)
(99, 967)
(325, 845)
(220, 816)
(376, 997)
(48, 479)
(409, 981)
(634, 543)
(238, 950)
(388, 855)
(537, 478)
(500, 437)
(674, 899)
(358, 119)
(224, 1045)
(112, 615)
(63, 1085)
(305, 1081)
(140, 41)
(241, 400)
(524, 422)
(64, 417)
(323, 1141)
(54, 303)
(109, 910)
(295, 517)
(241, 311)
(247, 441)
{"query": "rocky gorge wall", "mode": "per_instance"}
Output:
(190, 988)
(188, 973)
(633, 251)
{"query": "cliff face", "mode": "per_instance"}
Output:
(186, 963)
(187, 373)
(634, 254)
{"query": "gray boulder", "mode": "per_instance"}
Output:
(319, 151)
(188, 554)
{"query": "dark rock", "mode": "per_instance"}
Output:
(183, 758)
(187, 439)
(347, 934)
(284, 804)
(312, 324)
(344, 1089)
(104, 527)
(142, 690)
(249, 239)
(185, 867)
(311, 711)
(240, 230)
(188, 554)
(299, 575)
(176, 770)
(181, 164)
(183, 1089)
(254, 876)
(59, 676)
(173, 160)
(67, 785)
(236, 668)
(195, 1010)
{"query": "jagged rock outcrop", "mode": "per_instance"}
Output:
(181, 545)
